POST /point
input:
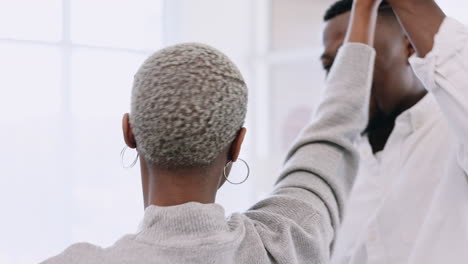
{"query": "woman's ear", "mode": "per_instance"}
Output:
(237, 144)
(127, 132)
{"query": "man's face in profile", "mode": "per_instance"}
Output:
(391, 66)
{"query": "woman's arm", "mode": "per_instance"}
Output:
(308, 202)
(363, 21)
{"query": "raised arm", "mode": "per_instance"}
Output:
(308, 202)
(442, 43)
(421, 20)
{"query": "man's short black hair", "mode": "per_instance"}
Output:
(343, 6)
(338, 8)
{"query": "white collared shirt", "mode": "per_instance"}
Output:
(410, 202)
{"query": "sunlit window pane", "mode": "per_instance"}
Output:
(227, 28)
(100, 91)
(102, 82)
(35, 192)
(100, 183)
(133, 24)
(31, 19)
(297, 89)
(31, 79)
(296, 24)
(32, 164)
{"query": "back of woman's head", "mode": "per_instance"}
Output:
(189, 101)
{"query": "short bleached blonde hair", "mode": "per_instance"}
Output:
(189, 102)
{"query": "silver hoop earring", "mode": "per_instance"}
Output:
(236, 183)
(122, 155)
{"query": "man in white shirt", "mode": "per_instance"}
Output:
(410, 201)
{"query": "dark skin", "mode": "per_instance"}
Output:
(395, 86)
(420, 31)
(175, 186)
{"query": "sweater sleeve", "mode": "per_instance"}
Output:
(308, 202)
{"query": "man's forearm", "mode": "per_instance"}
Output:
(421, 20)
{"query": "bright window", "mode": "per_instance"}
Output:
(66, 72)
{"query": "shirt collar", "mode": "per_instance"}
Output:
(421, 113)
(409, 121)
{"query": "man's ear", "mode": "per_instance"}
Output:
(410, 51)
(127, 132)
(237, 144)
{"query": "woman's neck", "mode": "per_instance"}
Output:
(163, 187)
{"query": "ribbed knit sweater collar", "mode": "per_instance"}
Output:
(184, 220)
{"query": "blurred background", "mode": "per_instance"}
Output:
(66, 69)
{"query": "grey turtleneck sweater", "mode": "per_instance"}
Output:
(296, 224)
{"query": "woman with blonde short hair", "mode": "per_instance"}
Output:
(188, 108)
